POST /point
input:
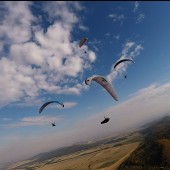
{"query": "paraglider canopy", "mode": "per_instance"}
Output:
(104, 83)
(123, 60)
(82, 41)
(106, 119)
(47, 103)
(53, 124)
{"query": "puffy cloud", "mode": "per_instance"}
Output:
(13, 83)
(117, 37)
(6, 119)
(64, 11)
(140, 18)
(136, 6)
(107, 34)
(92, 56)
(69, 104)
(139, 15)
(40, 58)
(14, 28)
(116, 17)
(83, 28)
(35, 121)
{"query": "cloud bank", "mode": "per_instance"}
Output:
(38, 53)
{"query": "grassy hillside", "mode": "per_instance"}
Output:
(98, 158)
(101, 153)
(154, 152)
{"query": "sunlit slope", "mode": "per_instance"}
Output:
(154, 151)
(102, 158)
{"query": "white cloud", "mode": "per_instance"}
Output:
(107, 34)
(69, 104)
(52, 59)
(130, 50)
(92, 56)
(117, 37)
(63, 11)
(140, 18)
(143, 106)
(35, 121)
(95, 48)
(14, 28)
(6, 119)
(83, 28)
(29, 102)
(136, 6)
(116, 17)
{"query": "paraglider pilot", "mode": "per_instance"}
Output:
(106, 119)
(53, 124)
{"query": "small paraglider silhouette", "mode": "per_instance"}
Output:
(106, 119)
(82, 41)
(123, 60)
(53, 124)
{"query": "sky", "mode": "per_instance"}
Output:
(40, 60)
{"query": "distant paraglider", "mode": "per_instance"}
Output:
(53, 124)
(104, 83)
(123, 60)
(82, 41)
(47, 103)
(106, 119)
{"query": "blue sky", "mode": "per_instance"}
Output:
(40, 61)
